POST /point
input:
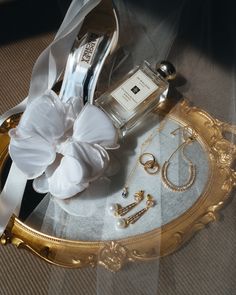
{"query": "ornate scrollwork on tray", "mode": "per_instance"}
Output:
(113, 255)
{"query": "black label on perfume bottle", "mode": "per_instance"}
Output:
(135, 89)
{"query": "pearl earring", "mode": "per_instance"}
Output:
(125, 222)
(118, 210)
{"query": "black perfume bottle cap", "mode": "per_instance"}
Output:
(166, 70)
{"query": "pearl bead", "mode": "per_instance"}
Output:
(113, 208)
(121, 223)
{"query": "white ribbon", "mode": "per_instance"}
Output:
(46, 72)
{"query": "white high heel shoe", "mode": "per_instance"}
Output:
(90, 20)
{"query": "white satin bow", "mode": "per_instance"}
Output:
(62, 146)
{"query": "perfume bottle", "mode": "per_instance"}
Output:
(136, 95)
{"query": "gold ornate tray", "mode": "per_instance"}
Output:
(114, 254)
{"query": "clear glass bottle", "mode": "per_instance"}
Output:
(136, 95)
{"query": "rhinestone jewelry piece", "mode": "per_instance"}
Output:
(125, 192)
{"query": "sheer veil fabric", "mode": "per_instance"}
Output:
(200, 41)
(46, 72)
(137, 31)
(131, 53)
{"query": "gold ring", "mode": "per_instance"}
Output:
(152, 167)
(149, 158)
(149, 164)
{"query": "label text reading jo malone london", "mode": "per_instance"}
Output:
(134, 91)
